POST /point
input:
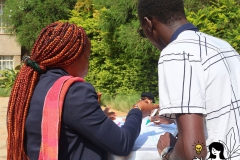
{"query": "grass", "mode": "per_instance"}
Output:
(4, 92)
(121, 102)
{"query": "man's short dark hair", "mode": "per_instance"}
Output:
(148, 95)
(165, 11)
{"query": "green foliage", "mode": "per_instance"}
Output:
(4, 92)
(28, 17)
(195, 5)
(122, 63)
(120, 102)
(125, 63)
(7, 78)
(220, 19)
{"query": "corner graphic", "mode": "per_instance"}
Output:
(231, 147)
(198, 147)
(216, 150)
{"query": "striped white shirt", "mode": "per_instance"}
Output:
(199, 73)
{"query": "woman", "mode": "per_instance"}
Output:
(86, 132)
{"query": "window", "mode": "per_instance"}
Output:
(1, 6)
(3, 26)
(6, 62)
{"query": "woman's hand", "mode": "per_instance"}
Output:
(111, 115)
(146, 107)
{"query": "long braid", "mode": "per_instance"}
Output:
(58, 45)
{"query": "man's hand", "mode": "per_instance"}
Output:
(190, 133)
(166, 140)
(161, 120)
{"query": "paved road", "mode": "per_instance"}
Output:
(3, 128)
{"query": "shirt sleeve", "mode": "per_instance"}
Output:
(86, 117)
(181, 84)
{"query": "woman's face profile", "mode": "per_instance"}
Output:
(215, 152)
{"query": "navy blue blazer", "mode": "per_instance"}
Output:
(86, 132)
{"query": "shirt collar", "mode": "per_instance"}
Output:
(187, 26)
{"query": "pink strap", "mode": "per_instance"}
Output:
(52, 113)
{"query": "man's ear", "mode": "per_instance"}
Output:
(149, 24)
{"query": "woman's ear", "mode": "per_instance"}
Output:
(149, 24)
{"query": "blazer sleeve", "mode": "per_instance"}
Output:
(86, 117)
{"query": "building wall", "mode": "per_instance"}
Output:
(9, 47)
(10, 51)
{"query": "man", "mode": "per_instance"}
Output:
(156, 118)
(148, 96)
(199, 83)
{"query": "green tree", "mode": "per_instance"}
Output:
(87, 16)
(131, 61)
(220, 19)
(28, 17)
(195, 5)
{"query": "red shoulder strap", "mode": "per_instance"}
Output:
(51, 117)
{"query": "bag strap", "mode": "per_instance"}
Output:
(51, 117)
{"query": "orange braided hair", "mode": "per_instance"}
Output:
(58, 45)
